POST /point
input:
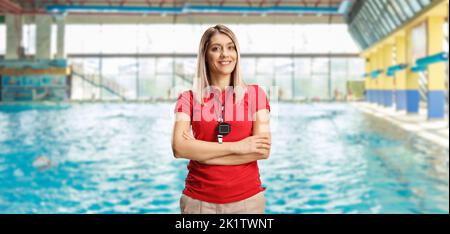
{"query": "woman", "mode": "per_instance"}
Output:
(230, 125)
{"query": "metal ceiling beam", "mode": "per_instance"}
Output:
(171, 2)
(194, 9)
(10, 7)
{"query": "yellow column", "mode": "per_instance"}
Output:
(373, 85)
(388, 81)
(367, 83)
(378, 82)
(400, 76)
(436, 71)
(381, 78)
(412, 79)
(373, 67)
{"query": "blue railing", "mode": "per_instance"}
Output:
(396, 68)
(376, 73)
(423, 63)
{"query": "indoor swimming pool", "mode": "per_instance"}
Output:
(116, 158)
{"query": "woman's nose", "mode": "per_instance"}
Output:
(224, 53)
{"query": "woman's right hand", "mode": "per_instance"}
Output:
(253, 144)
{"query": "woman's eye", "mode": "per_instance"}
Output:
(214, 49)
(231, 47)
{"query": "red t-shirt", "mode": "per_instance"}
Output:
(217, 183)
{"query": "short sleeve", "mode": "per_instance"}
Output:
(184, 103)
(258, 99)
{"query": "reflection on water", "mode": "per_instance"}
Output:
(116, 158)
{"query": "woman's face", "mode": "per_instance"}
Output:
(221, 55)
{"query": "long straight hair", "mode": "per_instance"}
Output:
(202, 79)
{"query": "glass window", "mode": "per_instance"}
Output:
(405, 6)
(250, 79)
(164, 65)
(284, 85)
(303, 67)
(161, 89)
(163, 38)
(303, 87)
(384, 17)
(356, 68)
(147, 73)
(265, 81)
(358, 37)
(359, 26)
(415, 5)
(156, 77)
(320, 65)
(356, 29)
(29, 38)
(185, 69)
(147, 67)
(82, 88)
(54, 40)
(191, 35)
(372, 21)
(319, 87)
(79, 39)
(111, 35)
(2, 39)
(377, 13)
(284, 66)
(248, 67)
(339, 67)
(265, 66)
(396, 19)
(339, 76)
(120, 74)
(424, 3)
(145, 89)
(367, 20)
(399, 10)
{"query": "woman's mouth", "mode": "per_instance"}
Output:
(224, 63)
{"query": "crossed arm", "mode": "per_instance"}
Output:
(256, 147)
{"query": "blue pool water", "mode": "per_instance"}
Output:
(116, 158)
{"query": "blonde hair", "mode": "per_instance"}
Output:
(202, 81)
